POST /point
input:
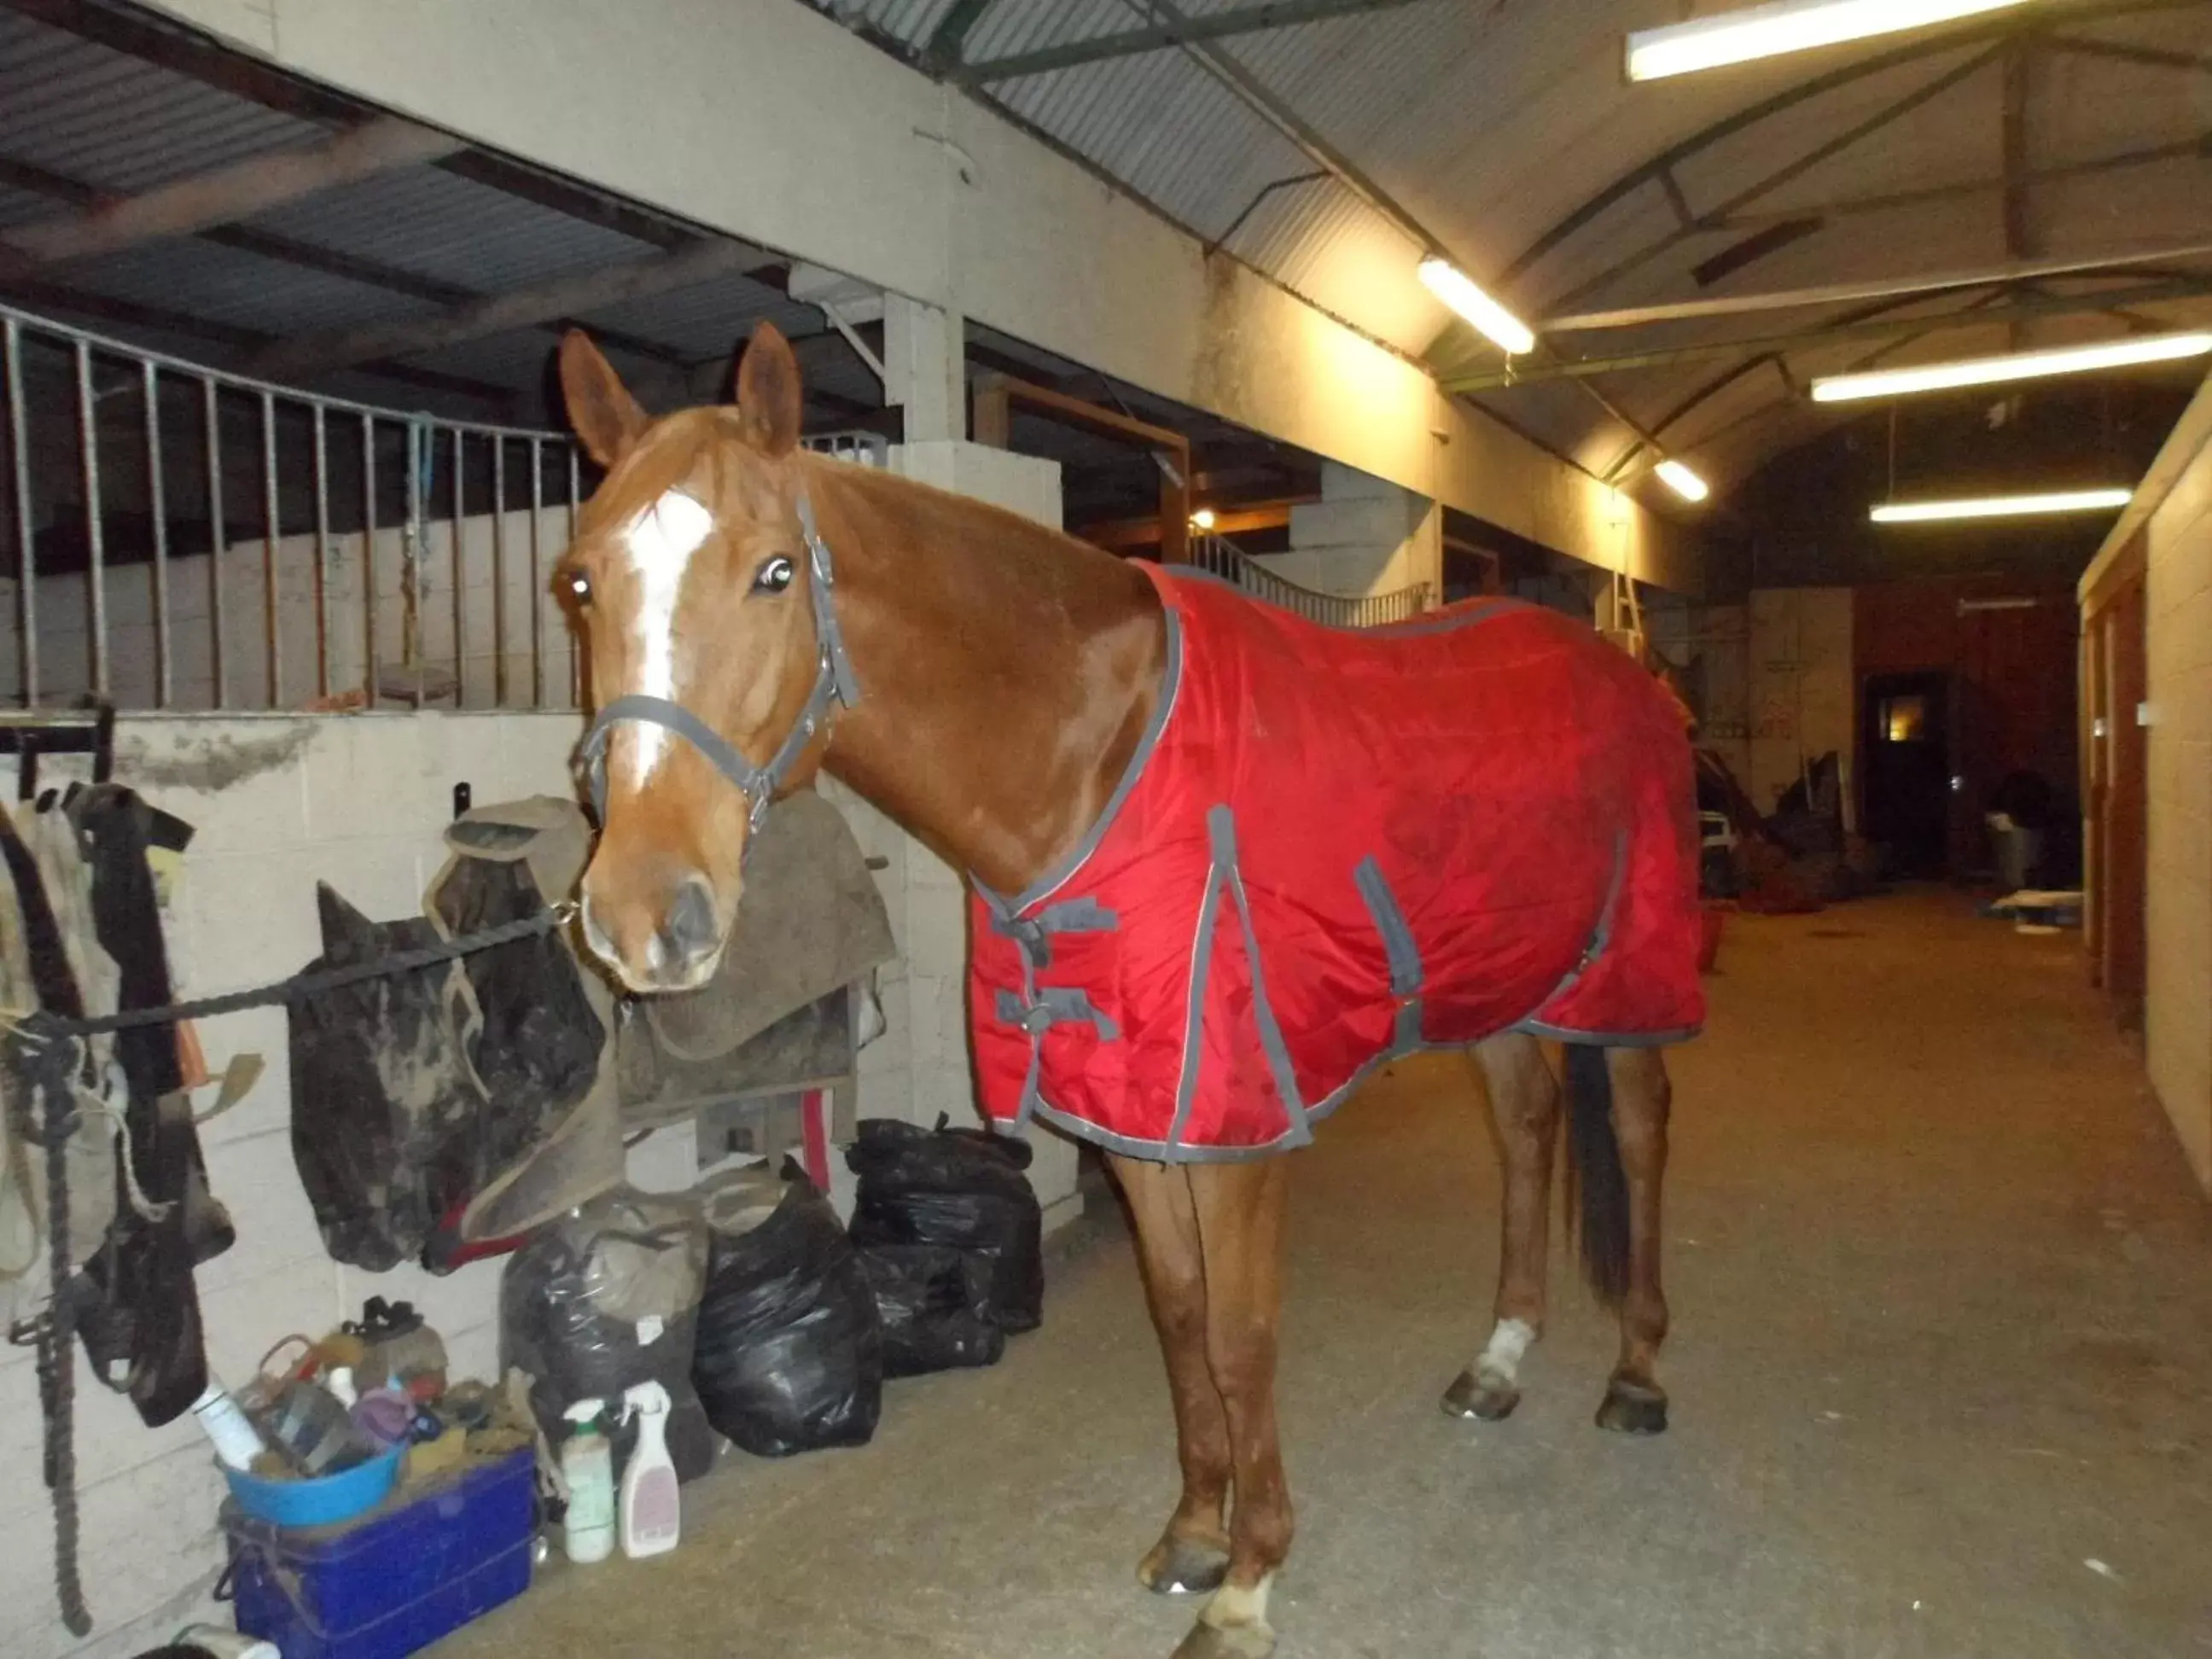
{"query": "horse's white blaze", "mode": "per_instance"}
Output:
(1500, 1363)
(660, 542)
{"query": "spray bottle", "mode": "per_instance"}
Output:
(587, 1466)
(652, 1506)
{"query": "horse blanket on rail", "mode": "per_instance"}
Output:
(1333, 847)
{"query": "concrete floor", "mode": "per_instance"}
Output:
(1942, 1374)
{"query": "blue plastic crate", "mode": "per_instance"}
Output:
(415, 1569)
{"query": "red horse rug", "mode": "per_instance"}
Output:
(1334, 847)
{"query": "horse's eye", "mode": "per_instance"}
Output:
(581, 586)
(775, 576)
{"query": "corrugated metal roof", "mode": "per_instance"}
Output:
(203, 279)
(119, 124)
(1488, 121)
(707, 318)
(435, 223)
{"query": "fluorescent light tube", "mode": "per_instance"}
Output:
(1737, 37)
(1451, 285)
(2016, 366)
(2003, 507)
(1683, 481)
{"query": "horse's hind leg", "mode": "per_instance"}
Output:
(1240, 1219)
(1634, 1401)
(1192, 1552)
(1524, 1105)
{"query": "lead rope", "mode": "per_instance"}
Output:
(39, 1048)
(51, 1331)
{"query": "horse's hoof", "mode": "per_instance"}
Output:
(1633, 1408)
(1183, 1566)
(1226, 1642)
(1469, 1396)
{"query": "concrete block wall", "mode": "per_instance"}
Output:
(2177, 901)
(1364, 536)
(921, 1066)
(501, 577)
(278, 802)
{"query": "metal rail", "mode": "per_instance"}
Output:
(1224, 559)
(177, 537)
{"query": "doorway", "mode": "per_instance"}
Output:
(1906, 736)
(2114, 682)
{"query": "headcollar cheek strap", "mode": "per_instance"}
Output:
(834, 683)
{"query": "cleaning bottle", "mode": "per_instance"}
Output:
(651, 1506)
(587, 1465)
(237, 1441)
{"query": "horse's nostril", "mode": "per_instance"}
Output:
(690, 927)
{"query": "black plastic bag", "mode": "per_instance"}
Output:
(603, 1299)
(789, 1357)
(932, 1302)
(960, 1188)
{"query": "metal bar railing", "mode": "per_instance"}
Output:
(1226, 560)
(537, 573)
(322, 555)
(499, 573)
(370, 694)
(272, 614)
(87, 423)
(218, 543)
(165, 688)
(60, 377)
(862, 448)
(26, 573)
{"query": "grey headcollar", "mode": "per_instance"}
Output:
(833, 684)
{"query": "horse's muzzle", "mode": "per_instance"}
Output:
(678, 953)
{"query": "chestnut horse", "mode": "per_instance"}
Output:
(986, 683)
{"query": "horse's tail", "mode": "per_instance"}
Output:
(1593, 1172)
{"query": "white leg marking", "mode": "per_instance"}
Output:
(1500, 1367)
(661, 541)
(1232, 1606)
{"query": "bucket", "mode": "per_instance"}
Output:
(322, 1501)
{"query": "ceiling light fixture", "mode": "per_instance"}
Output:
(2015, 366)
(1786, 26)
(1682, 481)
(1457, 290)
(1203, 519)
(2003, 507)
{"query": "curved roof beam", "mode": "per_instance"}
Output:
(1951, 39)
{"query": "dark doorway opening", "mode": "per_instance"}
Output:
(1906, 736)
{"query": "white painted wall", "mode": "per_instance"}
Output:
(493, 619)
(2173, 508)
(1363, 537)
(772, 123)
(278, 802)
(923, 1066)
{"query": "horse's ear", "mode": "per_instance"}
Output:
(606, 417)
(769, 404)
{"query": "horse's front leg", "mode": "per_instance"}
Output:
(1192, 1552)
(1239, 1220)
